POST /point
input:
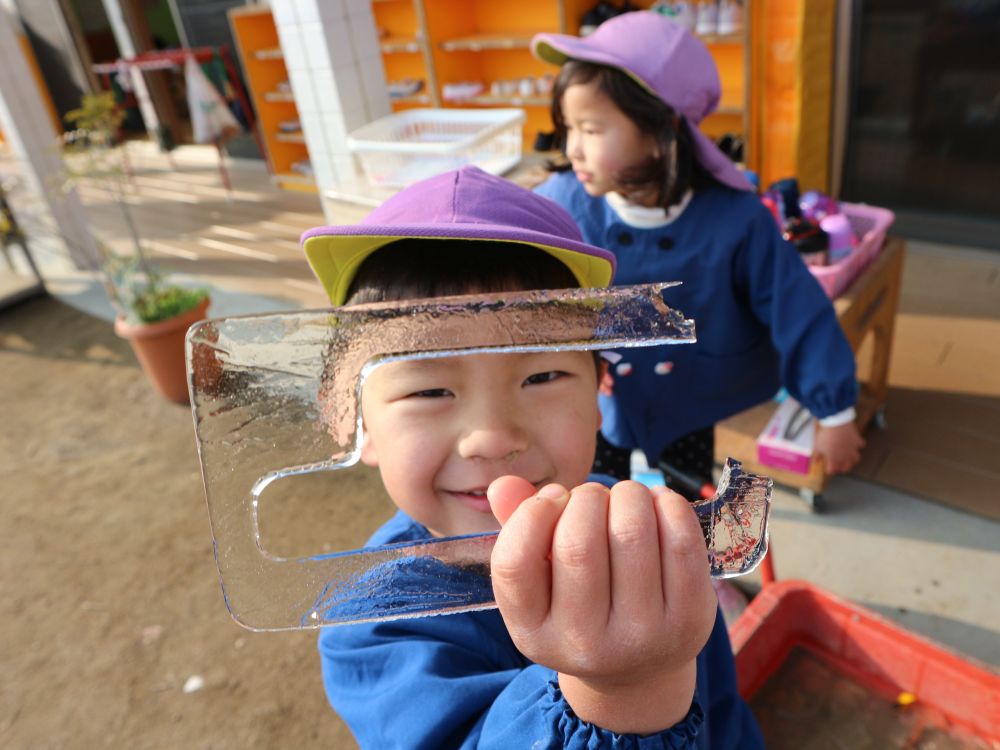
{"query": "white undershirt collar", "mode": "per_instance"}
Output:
(646, 217)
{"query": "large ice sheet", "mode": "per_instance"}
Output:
(274, 396)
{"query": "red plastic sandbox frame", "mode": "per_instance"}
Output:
(866, 647)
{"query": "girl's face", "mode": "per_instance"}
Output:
(601, 140)
(441, 430)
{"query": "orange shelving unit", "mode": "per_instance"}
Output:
(406, 53)
(442, 42)
(264, 66)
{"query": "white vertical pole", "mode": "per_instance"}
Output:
(126, 48)
(26, 125)
(178, 22)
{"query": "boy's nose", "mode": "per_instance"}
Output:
(496, 438)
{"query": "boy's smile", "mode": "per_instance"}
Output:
(441, 430)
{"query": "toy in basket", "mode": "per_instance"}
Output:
(837, 240)
(408, 146)
(869, 224)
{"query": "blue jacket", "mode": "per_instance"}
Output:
(761, 318)
(458, 681)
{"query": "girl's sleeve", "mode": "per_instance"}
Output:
(452, 682)
(817, 363)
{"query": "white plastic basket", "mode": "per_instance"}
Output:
(402, 148)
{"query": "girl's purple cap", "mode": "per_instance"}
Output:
(465, 204)
(664, 58)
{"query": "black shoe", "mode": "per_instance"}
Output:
(545, 141)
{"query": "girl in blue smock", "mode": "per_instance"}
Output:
(644, 182)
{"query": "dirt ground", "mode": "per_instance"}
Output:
(111, 595)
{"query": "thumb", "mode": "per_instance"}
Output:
(506, 493)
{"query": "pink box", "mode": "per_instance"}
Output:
(870, 224)
(786, 442)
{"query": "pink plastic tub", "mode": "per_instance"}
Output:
(870, 224)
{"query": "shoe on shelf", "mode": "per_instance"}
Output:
(682, 12)
(455, 92)
(730, 17)
(596, 16)
(707, 18)
(545, 141)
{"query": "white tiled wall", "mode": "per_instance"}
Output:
(27, 128)
(335, 68)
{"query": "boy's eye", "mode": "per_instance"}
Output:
(430, 393)
(544, 377)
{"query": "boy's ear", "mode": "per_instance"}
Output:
(605, 383)
(368, 457)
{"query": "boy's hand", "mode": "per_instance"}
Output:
(609, 588)
(840, 446)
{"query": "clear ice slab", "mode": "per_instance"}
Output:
(274, 396)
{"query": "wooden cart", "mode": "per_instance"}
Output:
(867, 310)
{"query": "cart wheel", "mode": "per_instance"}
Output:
(813, 499)
(880, 421)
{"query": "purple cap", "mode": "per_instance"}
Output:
(466, 204)
(664, 58)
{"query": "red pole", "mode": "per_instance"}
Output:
(244, 102)
(222, 167)
(767, 566)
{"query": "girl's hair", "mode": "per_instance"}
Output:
(676, 170)
(418, 268)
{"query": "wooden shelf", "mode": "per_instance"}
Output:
(295, 177)
(489, 100)
(395, 44)
(411, 99)
(478, 42)
(259, 48)
(722, 38)
(272, 53)
(294, 181)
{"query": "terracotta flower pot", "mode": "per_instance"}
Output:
(159, 348)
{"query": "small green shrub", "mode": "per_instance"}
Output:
(140, 293)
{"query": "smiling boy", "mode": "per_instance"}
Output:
(607, 633)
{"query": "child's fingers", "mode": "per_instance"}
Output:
(520, 565)
(506, 494)
(580, 571)
(683, 552)
(634, 549)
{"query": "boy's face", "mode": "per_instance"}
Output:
(441, 430)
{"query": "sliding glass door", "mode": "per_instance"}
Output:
(923, 132)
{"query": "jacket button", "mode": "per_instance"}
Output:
(665, 243)
(624, 238)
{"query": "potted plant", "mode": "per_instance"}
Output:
(152, 314)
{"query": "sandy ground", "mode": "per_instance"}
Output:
(112, 600)
(111, 596)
